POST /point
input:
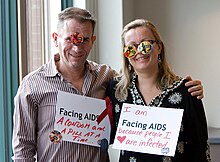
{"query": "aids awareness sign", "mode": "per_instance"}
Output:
(76, 120)
(152, 130)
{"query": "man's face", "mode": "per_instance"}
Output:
(74, 51)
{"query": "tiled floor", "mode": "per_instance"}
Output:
(215, 152)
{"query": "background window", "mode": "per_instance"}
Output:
(34, 34)
(37, 21)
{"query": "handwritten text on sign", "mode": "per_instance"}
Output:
(76, 119)
(148, 129)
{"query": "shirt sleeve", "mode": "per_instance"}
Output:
(24, 128)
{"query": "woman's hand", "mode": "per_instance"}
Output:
(196, 88)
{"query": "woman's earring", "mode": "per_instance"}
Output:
(129, 67)
(159, 58)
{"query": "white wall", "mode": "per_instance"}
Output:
(109, 29)
(191, 31)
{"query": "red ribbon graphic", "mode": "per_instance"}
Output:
(107, 111)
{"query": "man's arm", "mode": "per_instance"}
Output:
(24, 135)
(196, 88)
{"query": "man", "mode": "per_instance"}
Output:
(69, 71)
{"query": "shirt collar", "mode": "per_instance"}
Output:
(52, 70)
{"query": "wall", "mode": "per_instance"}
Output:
(191, 32)
(109, 30)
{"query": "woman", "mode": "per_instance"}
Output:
(146, 79)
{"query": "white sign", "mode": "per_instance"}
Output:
(76, 117)
(145, 129)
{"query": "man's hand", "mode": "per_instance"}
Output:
(196, 89)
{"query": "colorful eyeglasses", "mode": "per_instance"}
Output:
(144, 47)
(77, 38)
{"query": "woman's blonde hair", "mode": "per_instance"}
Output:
(165, 75)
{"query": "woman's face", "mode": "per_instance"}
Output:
(143, 62)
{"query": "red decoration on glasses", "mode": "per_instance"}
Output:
(77, 38)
